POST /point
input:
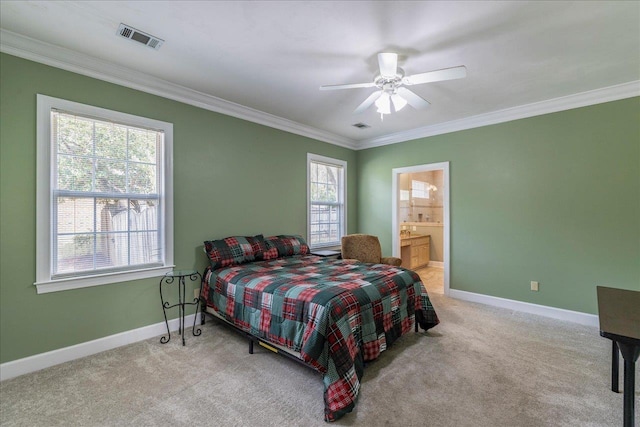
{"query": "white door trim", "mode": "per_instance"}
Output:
(395, 233)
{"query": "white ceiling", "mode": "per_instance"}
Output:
(273, 56)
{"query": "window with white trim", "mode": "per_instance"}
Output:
(326, 207)
(419, 189)
(105, 203)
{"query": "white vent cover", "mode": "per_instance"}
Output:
(131, 33)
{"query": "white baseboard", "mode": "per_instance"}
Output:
(44, 360)
(36, 362)
(436, 264)
(526, 307)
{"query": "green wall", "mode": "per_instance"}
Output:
(230, 177)
(553, 198)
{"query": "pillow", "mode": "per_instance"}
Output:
(285, 245)
(235, 250)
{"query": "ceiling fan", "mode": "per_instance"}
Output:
(391, 81)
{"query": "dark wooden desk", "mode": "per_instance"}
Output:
(619, 314)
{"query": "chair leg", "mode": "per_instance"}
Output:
(615, 364)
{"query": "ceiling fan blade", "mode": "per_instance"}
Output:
(367, 102)
(436, 76)
(414, 100)
(388, 63)
(347, 86)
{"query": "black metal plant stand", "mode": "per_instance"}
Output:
(179, 277)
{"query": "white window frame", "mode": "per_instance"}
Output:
(419, 193)
(44, 197)
(342, 197)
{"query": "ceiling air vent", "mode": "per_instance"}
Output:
(136, 35)
(361, 125)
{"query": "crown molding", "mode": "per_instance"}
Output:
(66, 59)
(598, 96)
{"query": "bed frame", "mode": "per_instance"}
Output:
(275, 348)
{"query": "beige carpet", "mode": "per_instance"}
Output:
(482, 366)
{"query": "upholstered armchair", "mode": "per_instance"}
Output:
(365, 248)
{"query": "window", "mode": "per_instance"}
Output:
(419, 189)
(104, 204)
(326, 209)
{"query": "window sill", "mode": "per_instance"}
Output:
(58, 285)
(325, 248)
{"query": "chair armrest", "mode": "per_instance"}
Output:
(391, 260)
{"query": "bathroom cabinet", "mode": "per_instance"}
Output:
(415, 251)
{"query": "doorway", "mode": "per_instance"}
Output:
(416, 212)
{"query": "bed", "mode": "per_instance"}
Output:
(332, 315)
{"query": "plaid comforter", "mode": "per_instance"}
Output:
(335, 313)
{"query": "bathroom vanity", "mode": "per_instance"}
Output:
(414, 251)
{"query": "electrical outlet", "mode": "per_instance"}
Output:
(196, 293)
(534, 286)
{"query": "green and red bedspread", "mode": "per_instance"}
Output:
(336, 313)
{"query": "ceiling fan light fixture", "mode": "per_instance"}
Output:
(398, 102)
(391, 81)
(384, 103)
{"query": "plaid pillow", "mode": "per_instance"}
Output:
(271, 252)
(235, 250)
(285, 245)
